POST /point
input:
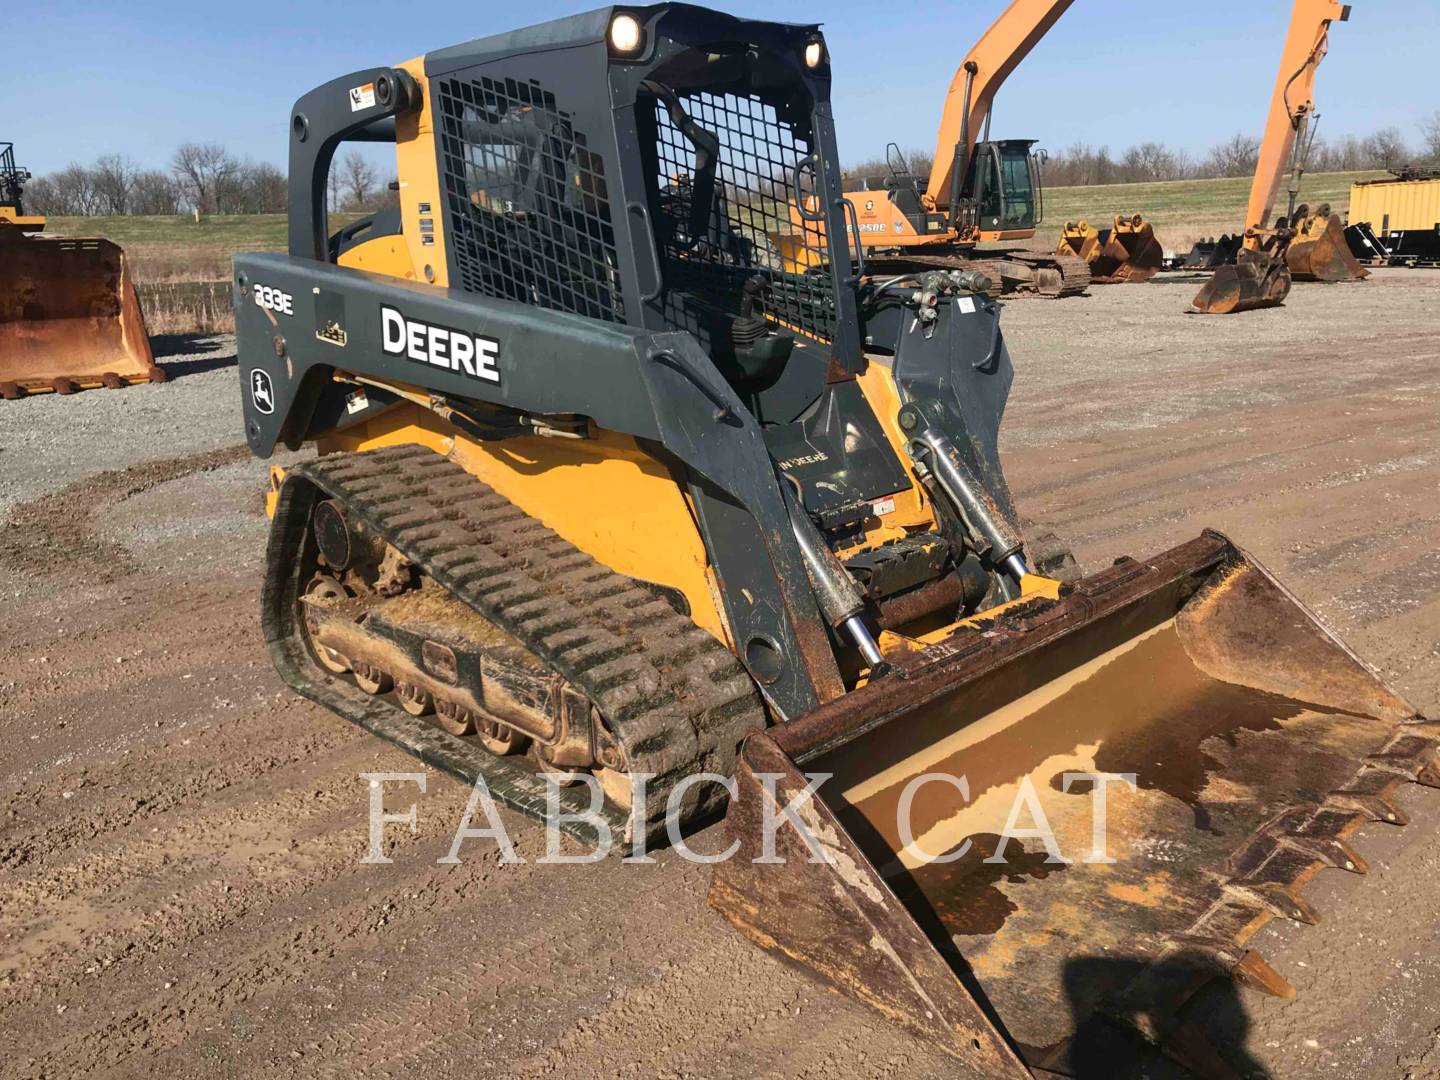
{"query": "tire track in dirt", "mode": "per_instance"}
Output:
(56, 534)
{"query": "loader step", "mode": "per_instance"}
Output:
(674, 699)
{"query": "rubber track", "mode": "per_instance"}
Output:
(676, 699)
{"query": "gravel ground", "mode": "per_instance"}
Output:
(181, 892)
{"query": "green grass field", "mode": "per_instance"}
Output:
(1182, 211)
(171, 255)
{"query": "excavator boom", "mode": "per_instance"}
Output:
(1272, 254)
(978, 79)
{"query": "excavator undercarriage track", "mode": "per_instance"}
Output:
(672, 698)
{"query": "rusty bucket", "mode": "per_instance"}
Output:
(1257, 279)
(1320, 251)
(1040, 840)
(1125, 253)
(69, 317)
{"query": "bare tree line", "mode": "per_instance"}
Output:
(203, 177)
(1082, 164)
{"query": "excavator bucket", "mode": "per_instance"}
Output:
(1257, 279)
(1128, 252)
(1210, 253)
(1320, 251)
(69, 317)
(1041, 836)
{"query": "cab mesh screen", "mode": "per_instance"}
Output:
(529, 212)
(764, 165)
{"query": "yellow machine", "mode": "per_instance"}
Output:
(70, 318)
(1299, 245)
(978, 191)
(621, 513)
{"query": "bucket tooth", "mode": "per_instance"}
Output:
(1254, 971)
(1333, 853)
(1412, 756)
(1372, 793)
(1282, 900)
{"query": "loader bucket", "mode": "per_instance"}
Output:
(1320, 251)
(1046, 914)
(1257, 279)
(69, 317)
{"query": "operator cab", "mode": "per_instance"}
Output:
(1002, 186)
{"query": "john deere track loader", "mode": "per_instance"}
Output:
(605, 490)
(69, 315)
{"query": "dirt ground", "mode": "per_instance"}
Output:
(181, 885)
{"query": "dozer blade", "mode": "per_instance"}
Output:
(1320, 252)
(69, 317)
(1257, 279)
(1153, 764)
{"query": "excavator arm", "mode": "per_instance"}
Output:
(979, 77)
(1292, 106)
(1302, 246)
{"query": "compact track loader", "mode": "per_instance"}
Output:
(69, 315)
(1127, 253)
(609, 486)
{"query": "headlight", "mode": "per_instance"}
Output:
(626, 33)
(814, 54)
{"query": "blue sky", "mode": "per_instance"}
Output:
(139, 77)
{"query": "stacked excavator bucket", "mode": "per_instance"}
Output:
(1251, 742)
(1320, 251)
(1211, 253)
(1128, 252)
(69, 317)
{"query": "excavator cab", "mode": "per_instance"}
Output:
(1003, 196)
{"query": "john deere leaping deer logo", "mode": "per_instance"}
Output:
(262, 393)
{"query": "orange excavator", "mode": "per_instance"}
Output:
(70, 317)
(1299, 245)
(978, 191)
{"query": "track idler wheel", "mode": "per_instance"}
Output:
(415, 700)
(324, 589)
(371, 679)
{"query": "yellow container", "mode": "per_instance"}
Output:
(1391, 204)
